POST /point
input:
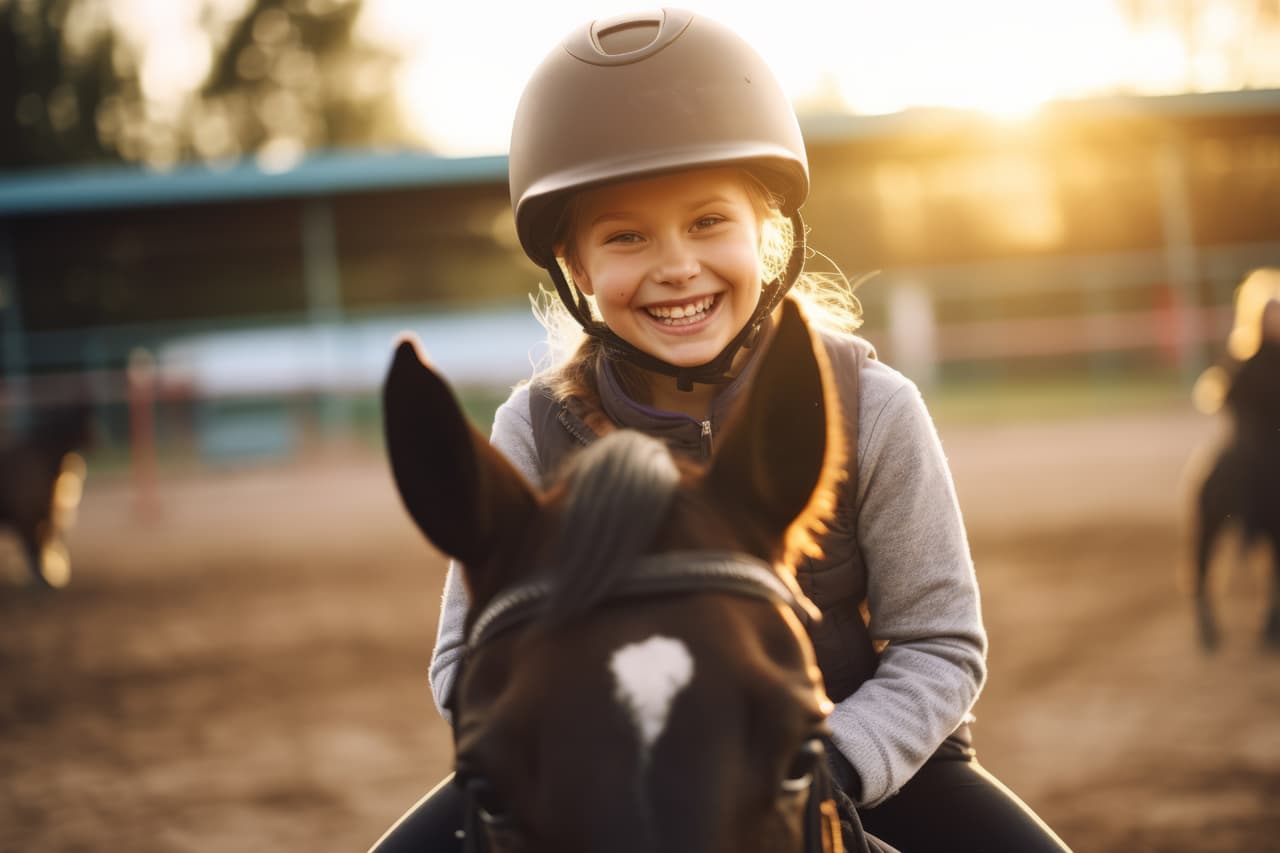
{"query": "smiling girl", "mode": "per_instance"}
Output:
(656, 173)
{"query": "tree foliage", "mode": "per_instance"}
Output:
(50, 93)
(283, 77)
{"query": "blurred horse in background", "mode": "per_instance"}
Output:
(1242, 488)
(41, 478)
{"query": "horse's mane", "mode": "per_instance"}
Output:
(618, 492)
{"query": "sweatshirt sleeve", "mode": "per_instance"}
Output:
(921, 590)
(513, 435)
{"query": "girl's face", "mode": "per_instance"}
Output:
(673, 261)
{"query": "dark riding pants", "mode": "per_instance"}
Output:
(952, 804)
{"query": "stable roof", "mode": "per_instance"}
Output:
(321, 174)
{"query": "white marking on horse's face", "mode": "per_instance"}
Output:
(647, 677)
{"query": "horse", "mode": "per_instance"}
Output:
(1242, 488)
(638, 675)
(41, 474)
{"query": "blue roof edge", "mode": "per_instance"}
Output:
(317, 175)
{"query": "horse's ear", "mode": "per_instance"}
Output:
(464, 495)
(781, 451)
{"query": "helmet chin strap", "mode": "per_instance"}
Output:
(713, 372)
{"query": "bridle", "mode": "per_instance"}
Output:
(670, 573)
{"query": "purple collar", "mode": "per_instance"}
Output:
(680, 431)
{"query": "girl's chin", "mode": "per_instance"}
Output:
(687, 350)
(686, 346)
(687, 356)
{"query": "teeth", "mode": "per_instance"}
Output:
(685, 314)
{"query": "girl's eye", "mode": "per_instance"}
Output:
(708, 221)
(623, 237)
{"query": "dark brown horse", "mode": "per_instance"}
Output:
(637, 679)
(1242, 489)
(40, 478)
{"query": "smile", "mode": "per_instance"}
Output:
(683, 315)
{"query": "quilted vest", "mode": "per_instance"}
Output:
(836, 584)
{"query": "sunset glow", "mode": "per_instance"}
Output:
(1002, 56)
(464, 64)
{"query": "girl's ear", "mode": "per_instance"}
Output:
(568, 259)
(462, 493)
(773, 458)
(579, 277)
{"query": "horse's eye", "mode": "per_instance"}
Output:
(485, 798)
(492, 809)
(803, 764)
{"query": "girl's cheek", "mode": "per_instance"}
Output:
(740, 261)
(617, 275)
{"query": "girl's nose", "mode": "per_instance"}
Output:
(676, 263)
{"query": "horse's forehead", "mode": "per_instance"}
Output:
(641, 667)
(648, 676)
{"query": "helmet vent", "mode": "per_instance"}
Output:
(627, 36)
(626, 39)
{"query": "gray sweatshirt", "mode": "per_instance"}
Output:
(921, 588)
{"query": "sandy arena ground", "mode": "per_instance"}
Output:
(248, 671)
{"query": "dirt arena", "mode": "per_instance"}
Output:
(248, 670)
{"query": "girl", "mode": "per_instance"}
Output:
(1242, 484)
(1259, 289)
(656, 173)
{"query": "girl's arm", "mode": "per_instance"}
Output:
(513, 435)
(921, 590)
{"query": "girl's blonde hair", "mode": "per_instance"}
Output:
(1258, 288)
(572, 356)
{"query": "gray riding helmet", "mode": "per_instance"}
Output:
(641, 95)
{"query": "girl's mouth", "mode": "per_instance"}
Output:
(686, 314)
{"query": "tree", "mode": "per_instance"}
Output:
(51, 86)
(284, 77)
(291, 76)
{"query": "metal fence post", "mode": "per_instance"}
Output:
(1182, 261)
(13, 335)
(323, 281)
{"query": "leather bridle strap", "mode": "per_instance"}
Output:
(670, 573)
